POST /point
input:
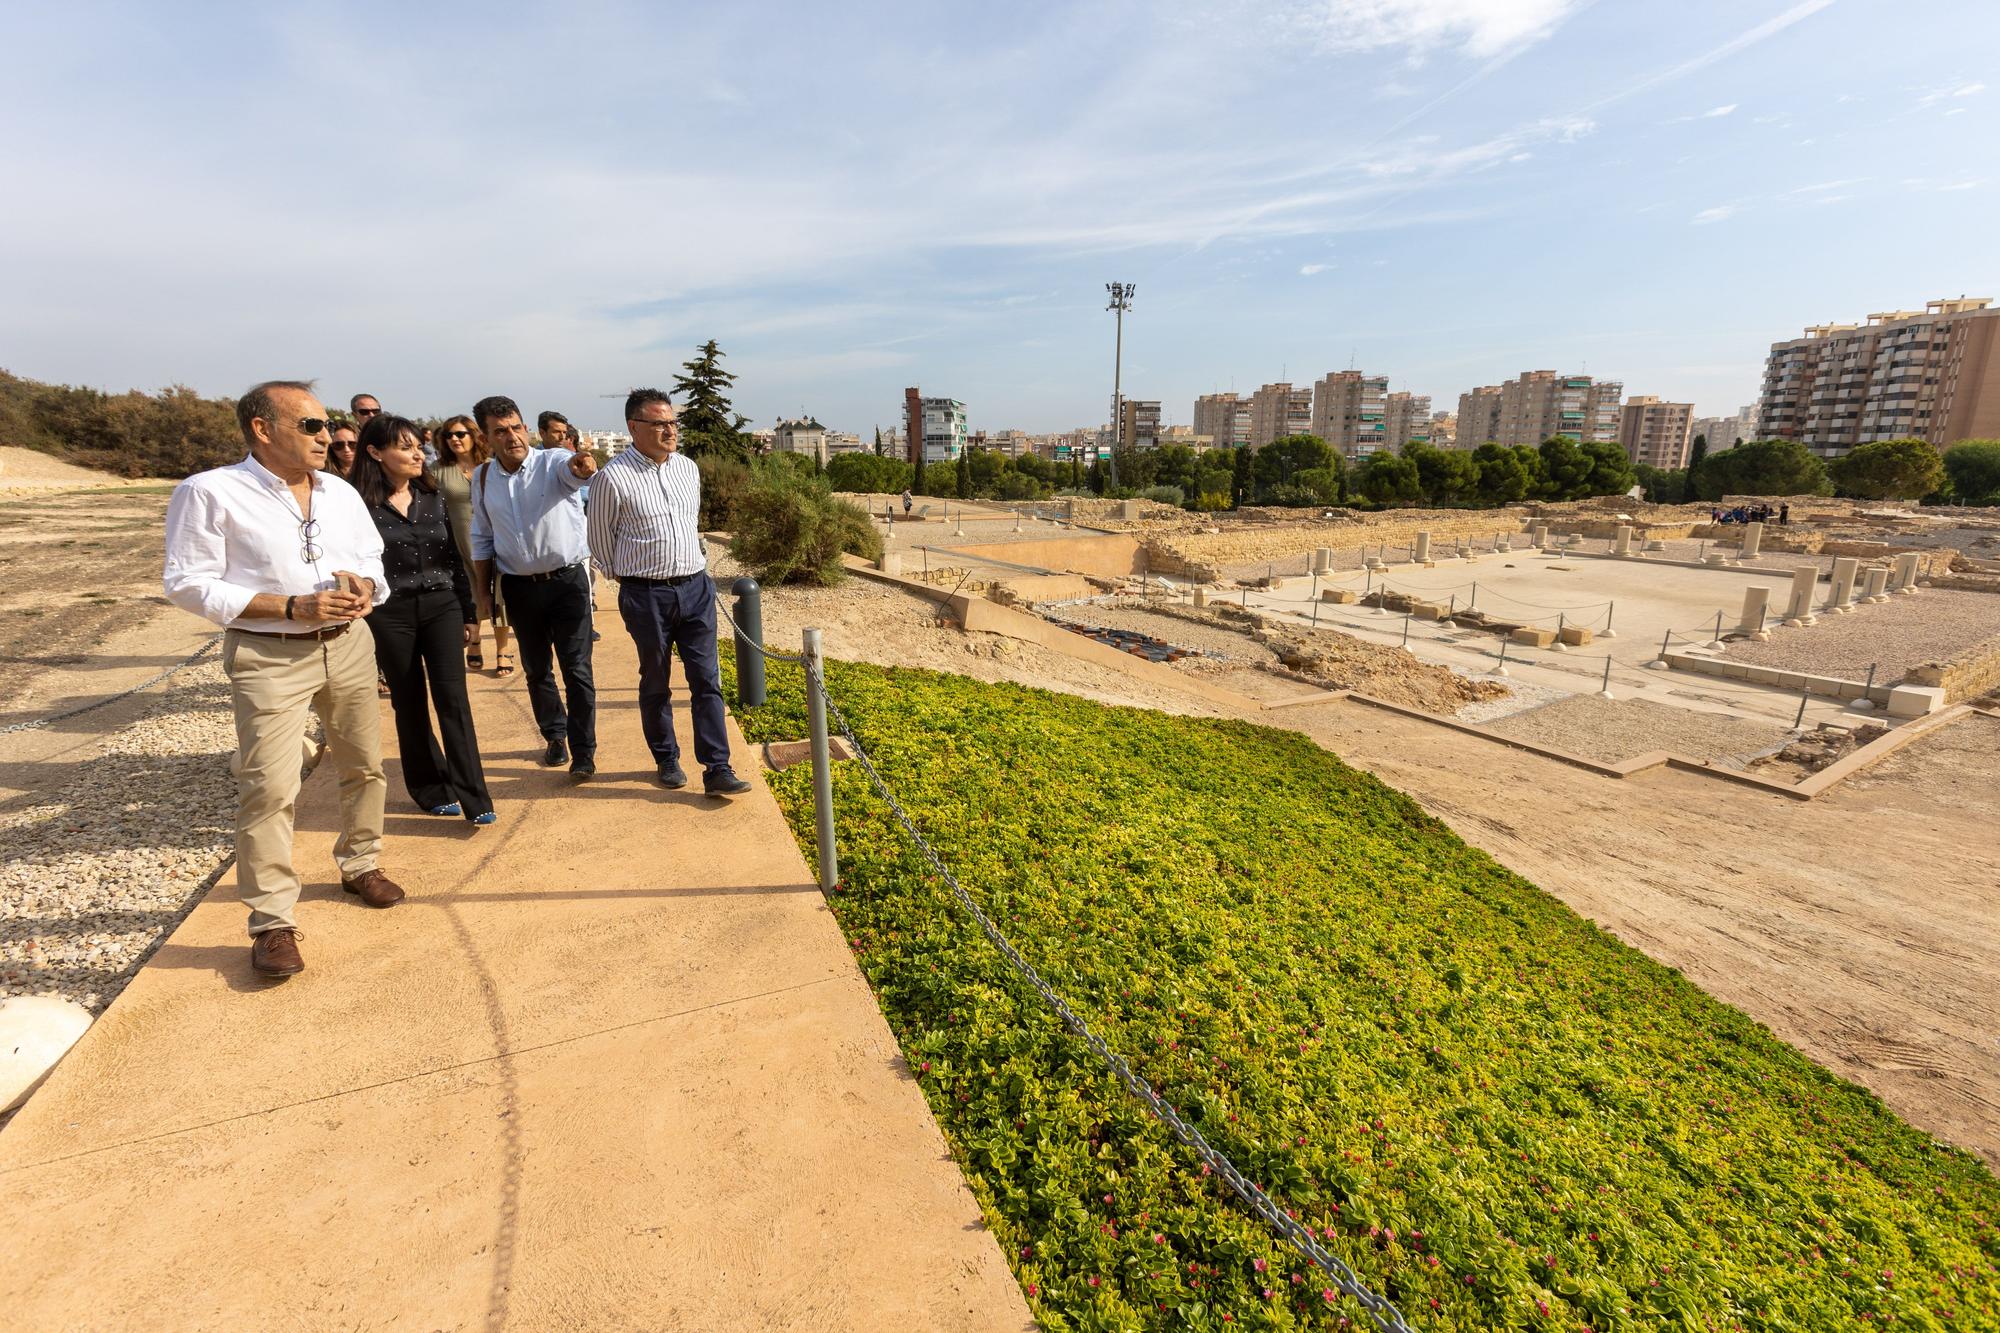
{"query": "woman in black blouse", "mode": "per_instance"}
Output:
(422, 630)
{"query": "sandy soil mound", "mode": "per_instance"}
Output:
(23, 469)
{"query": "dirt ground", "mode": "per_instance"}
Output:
(1860, 926)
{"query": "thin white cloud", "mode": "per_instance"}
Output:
(1948, 91)
(1480, 29)
(1818, 186)
(1307, 270)
(1770, 27)
(1718, 111)
(1717, 214)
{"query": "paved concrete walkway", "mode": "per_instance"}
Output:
(610, 1066)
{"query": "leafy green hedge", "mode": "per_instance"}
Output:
(1502, 1117)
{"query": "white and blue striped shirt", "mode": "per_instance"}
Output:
(645, 517)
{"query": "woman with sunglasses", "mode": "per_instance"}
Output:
(340, 451)
(421, 630)
(460, 452)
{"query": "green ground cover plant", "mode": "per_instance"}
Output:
(1498, 1114)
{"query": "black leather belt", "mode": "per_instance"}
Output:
(544, 577)
(330, 632)
(674, 582)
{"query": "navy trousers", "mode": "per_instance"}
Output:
(661, 617)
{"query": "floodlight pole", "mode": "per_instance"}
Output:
(1121, 301)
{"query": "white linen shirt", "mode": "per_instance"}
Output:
(233, 532)
(645, 517)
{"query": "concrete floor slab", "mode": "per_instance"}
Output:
(610, 1065)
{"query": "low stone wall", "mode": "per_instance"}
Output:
(1204, 555)
(1967, 675)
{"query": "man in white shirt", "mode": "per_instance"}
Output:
(644, 532)
(286, 558)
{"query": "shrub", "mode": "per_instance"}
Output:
(790, 529)
(1209, 502)
(1497, 1113)
(1166, 495)
(724, 481)
(867, 474)
(1888, 470)
(1973, 467)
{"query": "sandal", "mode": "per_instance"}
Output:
(503, 665)
(475, 661)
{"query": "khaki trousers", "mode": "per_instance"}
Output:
(273, 684)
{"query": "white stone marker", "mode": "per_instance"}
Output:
(1876, 589)
(1804, 579)
(1200, 596)
(1905, 576)
(1422, 555)
(1840, 600)
(1541, 536)
(1624, 546)
(1753, 538)
(1755, 602)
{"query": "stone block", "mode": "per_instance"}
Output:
(1430, 611)
(1915, 700)
(1128, 511)
(1576, 636)
(1201, 596)
(1338, 596)
(1533, 636)
(890, 562)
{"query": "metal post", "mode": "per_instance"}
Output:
(1805, 693)
(927, 562)
(1473, 600)
(1246, 599)
(749, 642)
(829, 868)
(1315, 613)
(1718, 627)
(1454, 604)
(1501, 670)
(1407, 617)
(1701, 551)
(1605, 691)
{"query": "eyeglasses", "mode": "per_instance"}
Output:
(309, 550)
(666, 425)
(367, 411)
(458, 435)
(313, 425)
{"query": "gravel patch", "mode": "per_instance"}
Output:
(97, 871)
(1898, 634)
(1520, 699)
(1209, 640)
(1612, 729)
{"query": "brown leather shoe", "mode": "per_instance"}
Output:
(275, 953)
(374, 888)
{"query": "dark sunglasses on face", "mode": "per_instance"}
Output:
(312, 425)
(458, 435)
(367, 411)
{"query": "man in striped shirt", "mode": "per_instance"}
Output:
(645, 507)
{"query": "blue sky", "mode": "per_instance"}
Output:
(433, 203)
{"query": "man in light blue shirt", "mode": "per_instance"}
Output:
(527, 519)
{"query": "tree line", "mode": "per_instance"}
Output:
(1908, 469)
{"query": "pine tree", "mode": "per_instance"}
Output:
(1245, 479)
(878, 441)
(964, 475)
(709, 423)
(1695, 455)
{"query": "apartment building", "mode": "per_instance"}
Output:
(1141, 429)
(1224, 418)
(1278, 410)
(1723, 432)
(1348, 411)
(1444, 430)
(1932, 374)
(804, 436)
(934, 427)
(1406, 419)
(1478, 416)
(1654, 433)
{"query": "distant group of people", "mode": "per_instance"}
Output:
(333, 553)
(1757, 513)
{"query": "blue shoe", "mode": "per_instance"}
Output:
(484, 819)
(449, 809)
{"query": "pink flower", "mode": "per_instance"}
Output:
(1094, 1280)
(1259, 1264)
(1027, 1251)
(1158, 1239)
(1268, 1293)
(1107, 1198)
(1031, 1289)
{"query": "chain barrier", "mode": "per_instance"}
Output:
(1381, 1313)
(109, 699)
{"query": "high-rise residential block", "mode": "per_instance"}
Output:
(1349, 410)
(1723, 432)
(934, 428)
(1217, 415)
(1932, 374)
(1406, 419)
(1478, 416)
(1537, 404)
(1444, 430)
(1654, 433)
(1142, 424)
(1278, 410)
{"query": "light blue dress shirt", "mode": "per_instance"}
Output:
(529, 521)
